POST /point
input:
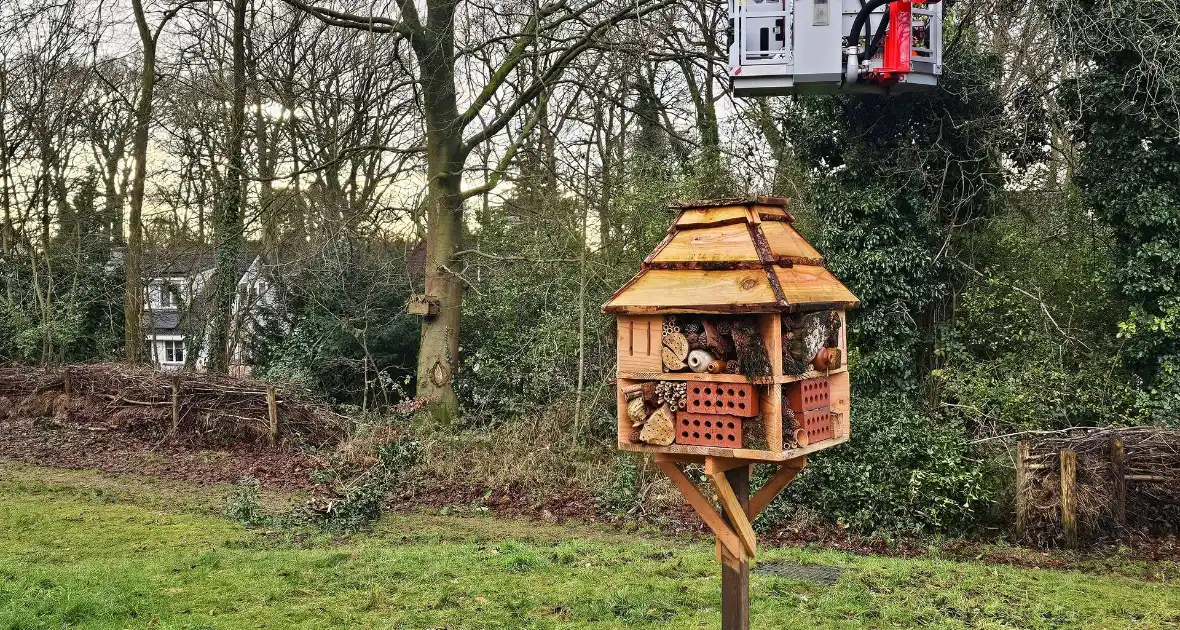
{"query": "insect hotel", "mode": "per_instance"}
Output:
(732, 351)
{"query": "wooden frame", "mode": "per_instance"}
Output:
(770, 390)
(729, 257)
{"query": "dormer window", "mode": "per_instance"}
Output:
(165, 297)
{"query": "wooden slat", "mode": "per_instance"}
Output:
(704, 509)
(678, 458)
(698, 217)
(773, 213)
(809, 284)
(839, 400)
(735, 572)
(786, 243)
(734, 511)
(785, 475)
(721, 243)
(717, 465)
(1118, 473)
(769, 457)
(639, 342)
(1069, 517)
(663, 290)
(622, 422)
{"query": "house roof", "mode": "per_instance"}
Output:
(731, 256)
(189, 261)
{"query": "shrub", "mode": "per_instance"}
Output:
(901, 472)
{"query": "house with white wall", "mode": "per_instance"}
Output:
(177, 304)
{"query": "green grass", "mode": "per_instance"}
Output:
(85, 551)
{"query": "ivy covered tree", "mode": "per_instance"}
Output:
(1127, 133)
(893, 182)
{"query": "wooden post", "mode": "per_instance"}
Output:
(272, 412)
(1118, 474)
(67, 385)
(1022, 457)
(1069, 522)
(735, 573)
(175, 402)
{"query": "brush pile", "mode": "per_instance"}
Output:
(1152, 472)
(213, 410)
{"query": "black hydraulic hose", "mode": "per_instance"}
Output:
(875, 41)
(861, 17)
(868, 33)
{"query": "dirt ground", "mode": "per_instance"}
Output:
(44, 442)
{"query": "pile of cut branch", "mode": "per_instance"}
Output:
(211, 409)
(1151, 473)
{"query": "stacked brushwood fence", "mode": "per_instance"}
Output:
(195, 408)
(1098, 485)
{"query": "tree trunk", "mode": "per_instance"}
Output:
(228, 226)
(438, 354)
(133, 339)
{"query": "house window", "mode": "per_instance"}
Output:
(174, 351)
(165, 297)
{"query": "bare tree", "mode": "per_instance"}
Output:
(553, 34)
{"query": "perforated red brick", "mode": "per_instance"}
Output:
(819, 424)
(813, 393)
(707, 429)
(737, 399)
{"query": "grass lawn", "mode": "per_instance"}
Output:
(82, 550)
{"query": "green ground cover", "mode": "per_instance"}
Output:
(81, 550)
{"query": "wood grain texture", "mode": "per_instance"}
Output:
(1118, 474)
(786, 243)
(639, 343)
(839, 400)
(662, 290)
(1069, 498)
(735, 511)
(692, 495)
(740, 453)
(699, 217)
(695, 376)
(725, 242)
(735, 572)
(773, 213)
(770, 404)
(809, 284)
(623, 419)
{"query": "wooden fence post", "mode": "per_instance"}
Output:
(272, 412)
(1118, 473)
(735, 581)
(1022, 457)
(175, 402)
(1069, 522)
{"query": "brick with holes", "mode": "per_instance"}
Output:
(812, 393)
(708, 429)
(818, 424)
(736, 399)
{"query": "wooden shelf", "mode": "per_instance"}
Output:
(739, 453)
(725, 378)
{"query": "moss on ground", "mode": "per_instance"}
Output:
(137, 555)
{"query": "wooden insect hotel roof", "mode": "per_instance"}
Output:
(731, 256)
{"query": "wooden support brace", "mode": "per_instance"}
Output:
(732, 506)
(767, 493)
(725, 535)
(718, 465)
